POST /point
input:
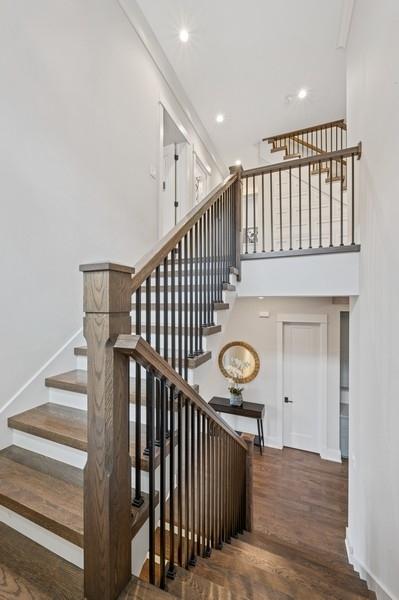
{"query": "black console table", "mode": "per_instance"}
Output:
(252, 410)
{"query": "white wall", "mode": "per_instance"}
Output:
(313, 275)
(79, 131)
(373, 117)
(244, 324)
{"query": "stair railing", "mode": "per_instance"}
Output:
(203, 475)
(305, 205)
(311, 141)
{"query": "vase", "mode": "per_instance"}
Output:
(235, 399)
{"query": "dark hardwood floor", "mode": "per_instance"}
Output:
(301, 499)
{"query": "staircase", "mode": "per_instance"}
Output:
(126, 468)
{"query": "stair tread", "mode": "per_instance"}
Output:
(76, 381)
(68, 426)
(49, 493)
(27, 570)
(142, 590)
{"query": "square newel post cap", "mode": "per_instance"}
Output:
(236, 169)
(107, 287)
(105, 266)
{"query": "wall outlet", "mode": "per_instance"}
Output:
(153, 171)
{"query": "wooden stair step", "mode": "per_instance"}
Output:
(190, 586)
(291, 156)
(279, 149)
(29, 571)
(68, 426)
(49, 493)
(192, 362)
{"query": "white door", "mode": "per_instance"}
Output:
(301, 388)
(168, 209)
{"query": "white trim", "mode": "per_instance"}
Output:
(320, 320)
(40, 371)
(139, 23)
(373, 582)
(345, 23)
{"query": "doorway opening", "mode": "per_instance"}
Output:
(175, 173)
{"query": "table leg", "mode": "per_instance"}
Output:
(259, 436)
(263, 435)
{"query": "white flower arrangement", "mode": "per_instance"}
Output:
(236, 370)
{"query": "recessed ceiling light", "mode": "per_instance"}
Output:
(261, 297)
(183, 35)
(219, 118)
(302, 94)
(238, 162)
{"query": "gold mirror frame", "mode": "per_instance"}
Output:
(250, 349)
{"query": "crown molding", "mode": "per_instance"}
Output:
(345, 24)
(140, 24)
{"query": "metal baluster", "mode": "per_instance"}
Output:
(342, 203)
(138, 497)
(320, 222)
(148, 339)
(162, 486)
(199, 482)
(194, 465)
(207, 551)
(151, 473)
(290, 197)
(173, 307)
(271, 213)
(246, 215)
(254, 211)
(353, 198)
(180, 310)
(186, 265)
(300, 207)
(201, 285)
(158, 349)
(219, 250)
(196, 289)
(187, 478)
(191, 285)
(165, 311)
(310, 207)
(331, 207)
(171, 572)
(204, 475)
(208, 267)
(281, 209)
(180, 478)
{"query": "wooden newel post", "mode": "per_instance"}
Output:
(249, 479)
(238, 211)
(107, 475)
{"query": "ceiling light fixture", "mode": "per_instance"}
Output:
(183, 35)
(302, 94)
(238, 162)
(219, 118)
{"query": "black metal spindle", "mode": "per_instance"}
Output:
(341, 189)
(320, 219)
(290, 204)
(199, 482)
(300, 206)
(158, 349)
(246, 215)
(310, 206)
(138, 497)
(263, 212)
(186, 266)
(209, 267)
(180, 479)
(331, 207)
(194, 466)
(196, 291)
(271, 213)
(173, 307)
(151, 473)
(166, 288)
(280, 209)
(254, 212)
(162, 484)
(201, 285)
(353, 198)
(187, 479)
(191, 293)
(171, 572)
(148, 308)
(207, 551)
(204, 476)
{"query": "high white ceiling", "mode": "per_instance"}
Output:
(244, 58)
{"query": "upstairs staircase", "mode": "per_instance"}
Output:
(126, 469)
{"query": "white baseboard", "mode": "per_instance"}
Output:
(331, 454)
(273, 442)
(373, 582)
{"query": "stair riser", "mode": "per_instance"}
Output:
(70, 456)
(81, 363)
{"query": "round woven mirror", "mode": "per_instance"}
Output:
(239, 361)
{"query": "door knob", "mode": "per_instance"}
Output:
(287, 401)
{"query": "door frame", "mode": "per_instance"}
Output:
(321, 320)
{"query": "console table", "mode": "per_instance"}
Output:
(252, 410)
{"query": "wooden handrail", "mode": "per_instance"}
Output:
(154, 257)
(300, 162)
(339, 123)
(136, 347)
